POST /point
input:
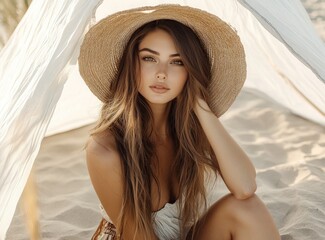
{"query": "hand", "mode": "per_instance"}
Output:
(200, 106)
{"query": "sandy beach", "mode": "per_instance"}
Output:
(288, 153)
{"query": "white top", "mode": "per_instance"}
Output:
(166, 221)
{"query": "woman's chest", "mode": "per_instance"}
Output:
(165, 188)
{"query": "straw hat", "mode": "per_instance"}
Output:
(104, 44)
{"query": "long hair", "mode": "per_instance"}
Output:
(128, 117)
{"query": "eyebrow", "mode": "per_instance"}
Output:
(157, 53)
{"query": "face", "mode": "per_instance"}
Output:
(162, 73)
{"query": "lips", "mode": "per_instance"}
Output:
(158, 88)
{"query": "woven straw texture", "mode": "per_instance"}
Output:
(104, 44)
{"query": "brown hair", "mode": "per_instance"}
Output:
(128, 117)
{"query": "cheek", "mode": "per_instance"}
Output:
(147, 69)
(144, 73)
(182, 85)
(182, 78)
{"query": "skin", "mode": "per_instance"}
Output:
(161, 66)
(239, 215)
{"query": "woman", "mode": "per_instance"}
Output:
(165, 74)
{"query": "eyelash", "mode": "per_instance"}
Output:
(178, 62)
(148, 59)
(151, 59)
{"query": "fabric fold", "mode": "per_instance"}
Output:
(34, 66)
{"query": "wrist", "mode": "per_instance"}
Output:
(201, 106)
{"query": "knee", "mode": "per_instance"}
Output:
(241, 210)
(229, 215)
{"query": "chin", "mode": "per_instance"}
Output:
(159, 102)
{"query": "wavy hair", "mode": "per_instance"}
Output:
(128, 117)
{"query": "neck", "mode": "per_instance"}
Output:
(160, 116)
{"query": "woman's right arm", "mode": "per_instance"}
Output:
(105, 172)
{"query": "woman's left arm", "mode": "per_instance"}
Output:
(236, 168)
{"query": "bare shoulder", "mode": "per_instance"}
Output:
(102, 152)
(104, 167)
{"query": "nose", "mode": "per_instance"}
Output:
(161, 77)
(161, 72)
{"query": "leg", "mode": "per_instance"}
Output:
(230, 218)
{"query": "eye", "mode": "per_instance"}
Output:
(148, 59)
(178, 62)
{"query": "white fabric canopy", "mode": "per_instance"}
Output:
(286, 61)
(34, 66)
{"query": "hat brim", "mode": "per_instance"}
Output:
(105, 42)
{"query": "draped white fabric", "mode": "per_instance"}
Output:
(286, 61)
(278, 69)
(34, 65)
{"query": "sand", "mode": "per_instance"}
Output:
(316, 11)
(287, 151)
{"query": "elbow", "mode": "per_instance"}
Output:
(246, 192)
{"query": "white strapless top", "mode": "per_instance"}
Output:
(166, 221)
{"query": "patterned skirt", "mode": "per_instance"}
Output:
(105, 231)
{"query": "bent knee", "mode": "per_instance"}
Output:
(238, 210)
(230, 213)
(245, 210)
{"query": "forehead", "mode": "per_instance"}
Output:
(158, 39)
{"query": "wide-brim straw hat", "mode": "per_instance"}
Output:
(104, 43)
